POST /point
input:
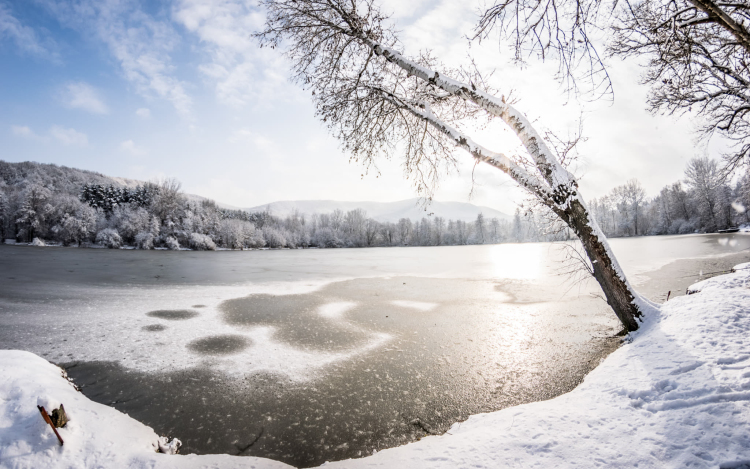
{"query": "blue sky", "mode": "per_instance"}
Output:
(179, 89)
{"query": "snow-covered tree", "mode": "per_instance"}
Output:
(144, 240)
(404, 230)
(172, 244)
(326, 237)
(630, 198)
(274, 237)
(201, 242)
(109, 237)
(702, 175)
(373, 96)
(4, 214)
(35, 207)
(77, 226)
(481, 228)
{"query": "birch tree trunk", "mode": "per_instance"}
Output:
(618, 292)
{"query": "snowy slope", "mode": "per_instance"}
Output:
(385, 211)
(676, 395)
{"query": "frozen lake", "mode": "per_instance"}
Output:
(313, 355)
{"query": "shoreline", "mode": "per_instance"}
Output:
(744, 230)
(677, 391)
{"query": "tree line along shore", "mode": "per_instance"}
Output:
(54, 204)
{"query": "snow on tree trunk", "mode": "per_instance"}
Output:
(618, 292)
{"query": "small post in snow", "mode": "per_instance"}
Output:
(46, 418)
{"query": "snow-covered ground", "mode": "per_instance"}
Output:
(676, 395)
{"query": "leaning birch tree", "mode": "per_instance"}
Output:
(379, 101)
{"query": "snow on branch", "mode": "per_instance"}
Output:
(344, 52)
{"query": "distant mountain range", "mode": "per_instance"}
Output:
(384, 211)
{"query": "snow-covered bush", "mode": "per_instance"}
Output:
(682, 226)
(233, 233)
(129, 221)
(201, 242)
(154, 226)
(326, 238)
(253, 236)
(109, 238)
(274, 237)
(37, 242)
(144, 240)
(78, 226)
(172, 244)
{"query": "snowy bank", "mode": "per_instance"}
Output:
(677, 395)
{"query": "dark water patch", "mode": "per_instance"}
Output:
(154, 327)
(677, 276)
(295, 319)
(198, 306)
(173, 314)
(219, 344)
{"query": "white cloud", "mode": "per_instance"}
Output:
(242, 72)
(22, 131)
(84, 96)
(25, 38)
(69, 136)
(143, 113)
(141, 44)
(261, 143)
(130, 147)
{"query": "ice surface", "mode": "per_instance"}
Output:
(676, 395)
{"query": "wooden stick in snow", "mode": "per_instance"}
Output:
(46, 418)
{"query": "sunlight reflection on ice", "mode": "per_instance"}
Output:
(335, 310)
(518, 261)
(418, 305)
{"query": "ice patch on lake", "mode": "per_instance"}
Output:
(418, 305)
(296, 364)
(114, 324)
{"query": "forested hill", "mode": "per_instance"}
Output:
(45, 203)
(58, 178)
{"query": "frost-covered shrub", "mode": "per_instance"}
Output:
(129, 221)
(274, 237)
(201, 242)
(154, 226)
(144, 240)
(253, 236)
(233, 233)
(683, 226)
(109, 238)
(37, 242)
(76, 227)
(326, 238)
(172, 244)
